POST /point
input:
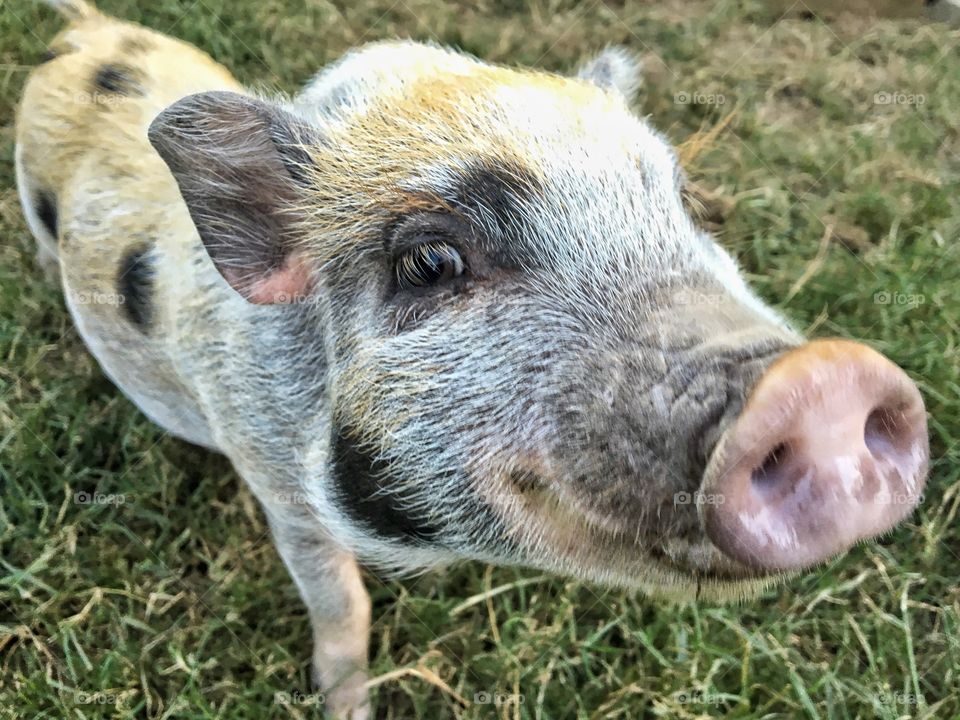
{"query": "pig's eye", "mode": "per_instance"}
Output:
(428, 264)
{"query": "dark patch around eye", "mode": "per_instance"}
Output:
(135, 280)
(483, 213)
(496, 189)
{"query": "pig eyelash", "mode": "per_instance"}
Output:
(428, 265)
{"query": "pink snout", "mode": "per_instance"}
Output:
(830, 449)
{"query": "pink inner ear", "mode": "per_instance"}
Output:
(287, 284)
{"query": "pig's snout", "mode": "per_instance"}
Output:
(830, 449)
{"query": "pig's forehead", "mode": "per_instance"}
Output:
(413, 106)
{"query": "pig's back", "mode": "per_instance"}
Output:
(97, 195)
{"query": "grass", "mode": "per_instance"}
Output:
(844, 212)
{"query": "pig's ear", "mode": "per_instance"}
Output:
(615, 69)
(241, 166)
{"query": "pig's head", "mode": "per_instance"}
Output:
(533, 355)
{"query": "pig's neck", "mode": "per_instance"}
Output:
(259, 374)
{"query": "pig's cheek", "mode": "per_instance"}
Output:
(371, 496)
(412, 311)
(530, 511)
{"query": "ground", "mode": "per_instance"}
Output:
(826, 149)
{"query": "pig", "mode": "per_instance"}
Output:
(435, 309)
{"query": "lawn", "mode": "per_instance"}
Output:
(827, 148)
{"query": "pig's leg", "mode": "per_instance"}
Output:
(330, 584)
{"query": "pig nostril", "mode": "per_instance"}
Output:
(770, 472)
(881, 431)
(830, 449)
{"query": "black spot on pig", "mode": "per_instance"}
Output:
(135, 279)
(369, 494)
(45, 205)
(117, 79)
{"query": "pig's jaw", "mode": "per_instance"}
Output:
(678, 570)
(555, 534)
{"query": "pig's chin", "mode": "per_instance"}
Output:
(564, 535)
(686, 567)
(717, 576)
(675, 569)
